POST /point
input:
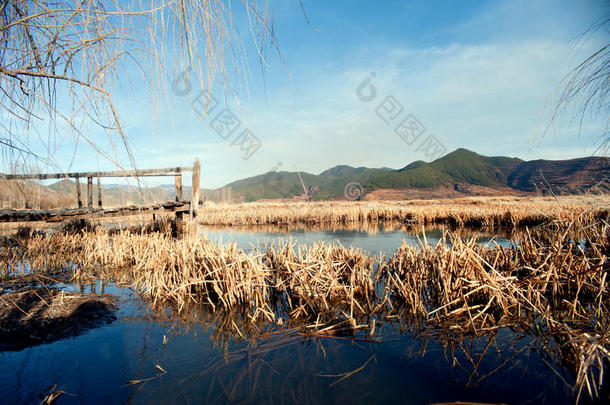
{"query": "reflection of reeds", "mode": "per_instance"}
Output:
(368, 228)
(563, 284)
(557, 283)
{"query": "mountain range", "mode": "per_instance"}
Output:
(459, 173)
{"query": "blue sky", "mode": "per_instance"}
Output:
(476, 74)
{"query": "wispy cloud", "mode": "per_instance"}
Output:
(486, 89)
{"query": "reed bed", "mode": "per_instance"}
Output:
(554, 280)
(487, 212)
(321, 278)
(561, 286)
(464, 276)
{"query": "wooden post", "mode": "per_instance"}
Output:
(90, 193)
(178, 181)
(195, 188)
(99, 193)
(80, 202)
(178, 229)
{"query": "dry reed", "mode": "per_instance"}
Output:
(487, 212)
(557, 282)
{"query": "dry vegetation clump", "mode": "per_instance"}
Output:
(479, 212)
(561, 287)
(181, 271)
(196, 270)
(447, 280)
(31, 316)
(322, 278)
(466, 276)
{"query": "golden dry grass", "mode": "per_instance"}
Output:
(489, 212)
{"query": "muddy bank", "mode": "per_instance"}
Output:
(34, 316)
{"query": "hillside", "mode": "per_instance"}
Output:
(568, 176)
(461, 172)
(461, 166)
(327, 185)
(117, 194)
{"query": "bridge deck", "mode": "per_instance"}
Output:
(62, 214)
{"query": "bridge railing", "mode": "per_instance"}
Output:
(175, 172)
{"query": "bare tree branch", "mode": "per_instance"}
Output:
(61, 60)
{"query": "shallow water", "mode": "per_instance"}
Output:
(286, 367)
(204, 361)
(372, 240)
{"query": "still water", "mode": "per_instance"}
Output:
(373, 240)
(143, 358)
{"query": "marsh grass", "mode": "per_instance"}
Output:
(553, 282)
(480, 212)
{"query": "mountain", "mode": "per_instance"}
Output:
(327, 185)
(341, 171)
(413, 165)
(460, 166)
(63, 186)
(460, 172)
(572, 175)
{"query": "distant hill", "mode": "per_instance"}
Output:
(117, 194)
(570, 176)
(413, 165)
(461, 171)
(327, 185)
(461, 166)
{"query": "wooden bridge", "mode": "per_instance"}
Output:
(178, 205)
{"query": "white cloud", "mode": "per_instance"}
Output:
(487, 97)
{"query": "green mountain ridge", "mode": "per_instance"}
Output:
(461, 167)
(460, 171)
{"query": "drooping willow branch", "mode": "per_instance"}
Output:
(61, 61)
(584, 91)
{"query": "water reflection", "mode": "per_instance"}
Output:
(223, 357)
(371, 238)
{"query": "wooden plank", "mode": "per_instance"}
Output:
(57, 215)
(195, 189)
(178, 181)
(80, 202)
(99, 193)
(170, 171)
(90, 193)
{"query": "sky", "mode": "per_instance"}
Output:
(473, 74)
